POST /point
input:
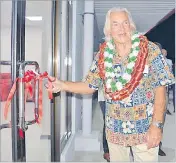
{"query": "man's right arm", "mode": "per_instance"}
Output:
(88, 85)
(78, 87)
(68, 86)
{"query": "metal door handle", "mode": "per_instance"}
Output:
(4, 126)
(5, 62)
(22, 123)
(36, 98)
(21, 97)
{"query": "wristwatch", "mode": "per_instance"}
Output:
(160, 125)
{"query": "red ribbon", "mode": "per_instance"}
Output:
(28, 78)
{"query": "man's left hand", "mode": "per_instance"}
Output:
(154, 136)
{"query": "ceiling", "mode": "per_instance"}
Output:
(145, 13)
(33, 8)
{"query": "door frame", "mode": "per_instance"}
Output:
(17, 55)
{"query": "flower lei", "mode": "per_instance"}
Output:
(123, 86)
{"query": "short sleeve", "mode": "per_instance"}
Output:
(160, 72)
(93, 78)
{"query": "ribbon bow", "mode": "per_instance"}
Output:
(29, 77)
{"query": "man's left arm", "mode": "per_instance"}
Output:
(161, 76)
(155, 130)
(159, 104)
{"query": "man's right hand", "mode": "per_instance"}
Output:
(57, 85)
(68, 86)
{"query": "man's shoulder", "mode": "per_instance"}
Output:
(153, 47)
(153, 51)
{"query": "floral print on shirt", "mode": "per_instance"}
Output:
(128, 120)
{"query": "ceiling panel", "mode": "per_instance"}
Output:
(145, 13)
(33, 8)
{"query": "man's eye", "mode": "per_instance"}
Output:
(115, 24)
(126, 23)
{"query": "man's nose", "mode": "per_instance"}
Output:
(121, 27)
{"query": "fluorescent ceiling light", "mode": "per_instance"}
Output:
(34, 18)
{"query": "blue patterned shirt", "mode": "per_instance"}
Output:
(128, 120)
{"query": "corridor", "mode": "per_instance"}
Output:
(60, 38)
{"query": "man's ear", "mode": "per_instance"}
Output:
(132, 28)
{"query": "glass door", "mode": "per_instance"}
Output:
(34, 39)
(12, 53)
(39, 48)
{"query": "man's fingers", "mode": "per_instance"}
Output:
(152, 143)
(149, 145)
(49, 86)
(149, 142)
(157, 143)
(46, 86)
(54, 85)
(51, 78)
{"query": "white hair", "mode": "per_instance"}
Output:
(107, 22)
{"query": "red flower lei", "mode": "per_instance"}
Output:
(135, 76)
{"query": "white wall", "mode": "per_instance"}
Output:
(77, 53)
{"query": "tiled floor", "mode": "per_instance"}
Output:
(169, 138)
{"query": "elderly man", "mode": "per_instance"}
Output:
(134, 74)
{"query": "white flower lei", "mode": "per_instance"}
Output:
(109, 54)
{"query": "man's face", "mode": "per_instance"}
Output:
(120, 27)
